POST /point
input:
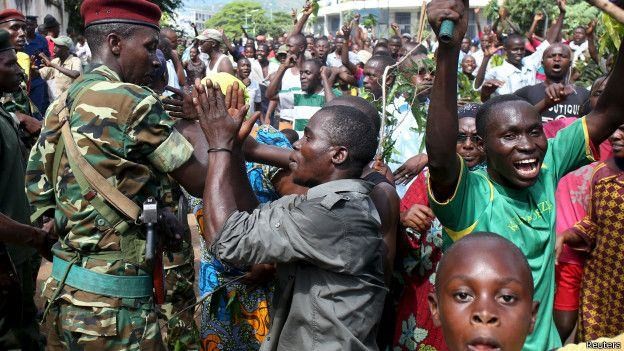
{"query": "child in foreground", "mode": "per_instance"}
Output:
(483, 296)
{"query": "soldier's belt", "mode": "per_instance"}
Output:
(102, 284)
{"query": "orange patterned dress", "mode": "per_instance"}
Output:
(602, 291)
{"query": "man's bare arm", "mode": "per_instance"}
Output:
(442, 125)
(608, 116)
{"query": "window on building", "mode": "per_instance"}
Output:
(404, 20)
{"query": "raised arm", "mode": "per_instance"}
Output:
(555, 30)
(357, 37)
(327, 78)
(396, 29)
(536, 19)
(487, 55)
(607, 116)
(232, 49)
(276, 83)
(194, 26)
(305, 14)
(591, 42)
(442, 125)
(344, 55)
(223, 133)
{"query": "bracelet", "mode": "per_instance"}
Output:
(218, 149)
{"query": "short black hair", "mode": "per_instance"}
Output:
(514, 36)
(96, 34)
(360, 104)
(314, 61)
(300, 39)
(484, 111)
(395, 38)
(349, 127)
(323, 38)
(291, 135)
(510, 249)
(383, 61)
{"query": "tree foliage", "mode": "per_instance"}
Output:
(521, 12)
(75, 22)
(250, 13)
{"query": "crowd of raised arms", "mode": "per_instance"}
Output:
(350, 191)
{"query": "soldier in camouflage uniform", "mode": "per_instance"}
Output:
(122, 130)
(18, 325)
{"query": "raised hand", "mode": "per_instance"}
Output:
(538, 17)
(454, 10)
(346, 31)
(503, 12)
(293, 15)
(308, 8)
(291, 61)
(562, 5)
(220, 129)
(180, 105)
(591, 27)
(395, 27)
(491, 50)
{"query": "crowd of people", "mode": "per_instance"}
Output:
(354, 191)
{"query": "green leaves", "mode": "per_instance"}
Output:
(610, 42)
(253, 16)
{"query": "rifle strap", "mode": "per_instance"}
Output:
(100, 193)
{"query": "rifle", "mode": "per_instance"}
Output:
(153, 249)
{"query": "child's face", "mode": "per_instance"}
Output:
(484, 301)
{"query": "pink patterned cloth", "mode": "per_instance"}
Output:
(573, 192)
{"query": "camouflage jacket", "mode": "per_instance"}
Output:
(124, 132)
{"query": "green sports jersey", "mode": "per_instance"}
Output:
(526, 217)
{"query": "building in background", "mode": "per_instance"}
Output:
(40, 8)
(196, 15)
(405, 13)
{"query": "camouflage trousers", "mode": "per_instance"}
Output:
(182, 332)
(123, 328)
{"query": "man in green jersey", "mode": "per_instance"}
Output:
(515, 196)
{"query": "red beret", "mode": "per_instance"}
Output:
(11, 15)
(141, 12)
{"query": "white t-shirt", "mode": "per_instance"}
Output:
(514, 77)
(253, 89)
(334, 60)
